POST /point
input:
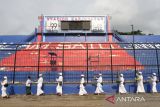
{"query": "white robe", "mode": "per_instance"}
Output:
(59, 87)
(28, 83)
(99, 86)
(122, 89)
(4, 89)
(140, 86)
(82, 90)
(153, 84)
(39, 86)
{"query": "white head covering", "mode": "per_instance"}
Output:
(5, 77)
(100, 74)
(82, 75)
(154, 74)
(140, 73)
(60, 73)
(40, 75)
(121, 75)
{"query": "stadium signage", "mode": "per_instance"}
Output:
(66, 24)
(83, 46)
(92, 46)
(73, 18)
(72, 46)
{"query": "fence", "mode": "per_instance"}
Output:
(18, 61)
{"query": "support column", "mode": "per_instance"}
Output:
(109, 30)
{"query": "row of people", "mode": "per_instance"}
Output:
(29, 82)
(40, 85)
(82, 90)
(99, 82)
(139, 80)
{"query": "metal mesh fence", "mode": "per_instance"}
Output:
(17, 61)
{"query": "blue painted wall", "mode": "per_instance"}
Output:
(17, 39)
(76, 38)
(96, 38)
(74, 76)
(139, 38)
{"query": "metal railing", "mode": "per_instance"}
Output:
(17, 61)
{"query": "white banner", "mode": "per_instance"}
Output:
(52, 25)
(98, 25)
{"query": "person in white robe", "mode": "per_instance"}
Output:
(4, 85)
(153, 80)
(140, 86)
(59, 85)
(40, 85)
(99, 89)
(122, 89)
(82, 90)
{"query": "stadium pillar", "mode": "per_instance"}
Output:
(39, 38)
(40, 28)
(109, 29)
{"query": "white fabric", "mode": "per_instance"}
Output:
(100, 74)
(99, 85)
(60, 73)
(4, 89)
(39, 86)
(5, 77)
(140, 73)
(99, 80)
(40, 75)
(59, 87)
(82, 90)
(140, 86)
(28, 82)
(121, 75)
(153, 84)
(122, 89)
(154, 74)
(82, 75)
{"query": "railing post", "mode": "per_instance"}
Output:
(134, 52)
(15, 59)
(157, 62)
(111, 62)
(63, 59)
(87, 63)
(85, 37)
(39, 50)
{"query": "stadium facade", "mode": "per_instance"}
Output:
(76, 45)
